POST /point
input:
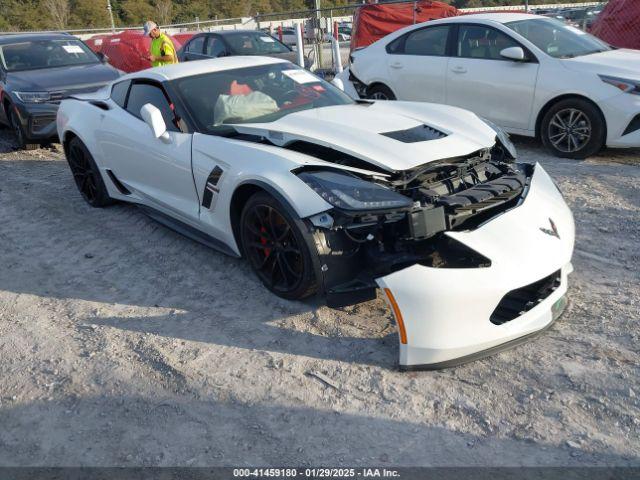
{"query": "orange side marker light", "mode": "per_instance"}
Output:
(398, 315)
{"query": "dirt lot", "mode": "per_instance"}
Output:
(123, 343)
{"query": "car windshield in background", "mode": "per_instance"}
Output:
(38, 54)
(254, 43)
(259, 94)
(558, 39)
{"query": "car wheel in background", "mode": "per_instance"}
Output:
(573, 128)
(19, 132)
(380, 92)
(87, 175)
(274, 244)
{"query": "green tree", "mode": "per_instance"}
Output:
(136, 12)
(24, 15)
(89, 14)
(187, 11)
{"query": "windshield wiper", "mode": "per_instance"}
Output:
(574, 55)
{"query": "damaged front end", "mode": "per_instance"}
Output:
(383, 223)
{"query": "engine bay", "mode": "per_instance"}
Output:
(454, 194)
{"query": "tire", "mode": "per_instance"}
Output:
(18, 131)
(87, 175)
(573, 128)
(274, 244)
(380, 92)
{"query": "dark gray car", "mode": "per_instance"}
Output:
(236, 42)
(36, 72)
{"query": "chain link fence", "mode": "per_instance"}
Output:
(618, 24)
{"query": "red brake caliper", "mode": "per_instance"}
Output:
(263, 241)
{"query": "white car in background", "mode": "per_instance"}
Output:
(533, 76)
(323, 194)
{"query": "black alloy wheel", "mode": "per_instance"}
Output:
(274, 244)
(18, 131)
(86, 174)
(573, 128)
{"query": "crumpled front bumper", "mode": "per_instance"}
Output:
(446, 312)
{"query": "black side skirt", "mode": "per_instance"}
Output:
(187, 230)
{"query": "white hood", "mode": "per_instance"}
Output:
(356, 130)
(616, 63)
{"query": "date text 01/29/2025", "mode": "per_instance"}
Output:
(315, 472)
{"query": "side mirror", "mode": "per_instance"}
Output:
(103, 58)
(153, 117)
(513, 53)
(338, 83)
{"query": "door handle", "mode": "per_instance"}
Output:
(459, 70)
(396, 65)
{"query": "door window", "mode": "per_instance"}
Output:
(119, 92)
(215, 47)
(196, 45)
(479, 41)
(143, 93)
(430, 41)
(427, 41)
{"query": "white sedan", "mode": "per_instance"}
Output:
(322, 194)
(533, 76)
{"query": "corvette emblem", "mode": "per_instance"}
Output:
(553, 231)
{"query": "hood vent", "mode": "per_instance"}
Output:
(421, 133)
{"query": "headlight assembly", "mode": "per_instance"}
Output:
(627, 86)
(33, 97)
(503, 137)
(349, 192)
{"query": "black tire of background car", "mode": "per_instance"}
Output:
(87, 175)
(592, 122)
(19, 132)
(380, 92)
(273, 242)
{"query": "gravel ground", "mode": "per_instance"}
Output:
(124, 343)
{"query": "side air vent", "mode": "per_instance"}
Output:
(518, 302)
(421, 133)
(211, 187)
(121, 188)
(633, 126)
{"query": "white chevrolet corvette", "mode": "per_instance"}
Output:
(323, 194)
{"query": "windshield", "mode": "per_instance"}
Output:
(37, 54)
(254, 43)
(558, 39)
(258, 94)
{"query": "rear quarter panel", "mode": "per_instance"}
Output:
(82, 119)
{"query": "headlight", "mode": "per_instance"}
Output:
(352, 193)
(627, 86)
(33, 97)
(503, 137)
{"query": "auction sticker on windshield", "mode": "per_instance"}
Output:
(72, 49)
(267, 39)
(300, 76)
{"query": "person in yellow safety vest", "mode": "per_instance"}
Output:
(162, 50)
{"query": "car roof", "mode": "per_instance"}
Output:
(505, 17)
(28, 37)
(189, 69)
